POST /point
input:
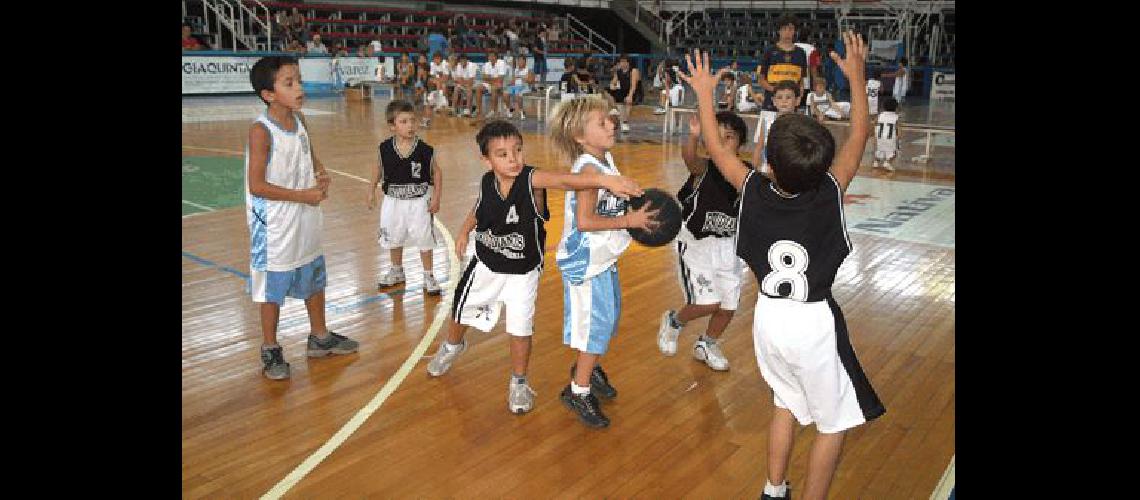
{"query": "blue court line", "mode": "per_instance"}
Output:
(330, 307)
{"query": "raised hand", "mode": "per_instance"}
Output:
(700, 75)
(622, 186)
(853, 64)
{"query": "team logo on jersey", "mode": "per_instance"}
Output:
(610, 205)
(509, 245)
(719, 223)
(512, 216)
(416, 169)
(304, 143)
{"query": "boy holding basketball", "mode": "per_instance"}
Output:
(593, 237)
(793, 237)
(412, 186)
(509, 219)
(709, 270)
(285, 184)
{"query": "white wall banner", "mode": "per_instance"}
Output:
(942, 86)
(216, 74)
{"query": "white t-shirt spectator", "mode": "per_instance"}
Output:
(436, 70)
(375, 44)
(496, 70)
(316, 48)
(467, 71)
(520, 75)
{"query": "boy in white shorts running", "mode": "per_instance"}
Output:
(412, 187)
(510, 239)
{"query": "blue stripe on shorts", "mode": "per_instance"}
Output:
(300, 283)
(605, 310)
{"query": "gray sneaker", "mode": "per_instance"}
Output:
(394, 276)
(442, 359)
(709, 351)
(431, 286)
(334, 344)
(667, 334)
(273, 363)
(520, 398)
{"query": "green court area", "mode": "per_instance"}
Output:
(211, 183)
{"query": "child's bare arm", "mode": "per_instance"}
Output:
(377, 176)
(703, 82)
(588, 220)
(437, 185)
(258, 161)
(847, 160)
(689, 149)
(468, 226)
(619, 185)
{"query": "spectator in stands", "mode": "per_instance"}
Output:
(462, 33)
(375, 47)
(437, 43)
(553, 31)
(494, 71)
(521, 79)
(625, 87)
(569, 81)
(297, 24)
(295, 47)
(725, 94)
(315, 46)
(539, 52)
(783, 61)
(747, 99)
(585, 77)
(363, 51)
(189, 42)
(902, 81)
(405, 78)
(463, 75)
(281, 26)
(511, 37)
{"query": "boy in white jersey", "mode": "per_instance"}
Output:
(495, 70)
(412, 185)
(593, 237)
(509, 242)
(747, 99)
(822, 106)
(521, 81)
(463, 75)
(874, 88)
(438, 71)
(784, 98)
(887, 135)
(285, 186)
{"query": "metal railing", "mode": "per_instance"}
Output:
(593, 39)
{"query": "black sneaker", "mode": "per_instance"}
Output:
(599, 382)
(586, 406)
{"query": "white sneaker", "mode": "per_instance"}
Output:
(710, 353)
(520, 398)
(887, 165)
(431, 287)
(875, 164)
(464, 112)
(659, 111)
(625, 127)
(394, 276)
(522, 116)
(667, 335)
(442, 359)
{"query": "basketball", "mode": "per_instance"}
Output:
(668, 218)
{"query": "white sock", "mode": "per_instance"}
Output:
(776, 491)
(579, 390)
(452, 347)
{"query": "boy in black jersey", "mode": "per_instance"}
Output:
(412, 187)
(793, 237)
(709, 269)
(510, 240)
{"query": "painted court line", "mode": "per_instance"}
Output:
(442, 310)
(946, 484)
(224, 151)
(195, 205)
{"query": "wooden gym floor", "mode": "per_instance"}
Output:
(679, 429)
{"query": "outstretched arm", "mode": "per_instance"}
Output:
(853, 66)
(703, 82)
(619, 185)
(588, 220)
(689, 150)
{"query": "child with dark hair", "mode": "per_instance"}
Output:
(285, 184)
(793, 236)
(510, 239)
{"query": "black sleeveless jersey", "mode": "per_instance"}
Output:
(406, 177)
(510, 231)
(794, 245)
(714, 205)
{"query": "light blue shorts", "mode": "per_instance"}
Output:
(591, 311)
(300, 283)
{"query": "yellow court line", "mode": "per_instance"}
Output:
(357, 420)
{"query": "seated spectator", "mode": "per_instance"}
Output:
(189, 42)
(315, 46)
(374, 47)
